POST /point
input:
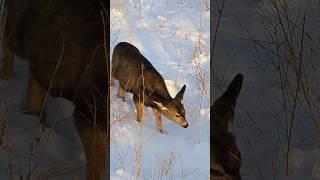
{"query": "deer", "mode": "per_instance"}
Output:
(65, 44)
(225, 156)
(137, 75)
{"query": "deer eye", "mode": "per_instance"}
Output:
(178, 115)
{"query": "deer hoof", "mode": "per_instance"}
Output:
(162, 131)
(120, 96)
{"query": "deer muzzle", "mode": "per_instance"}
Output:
(185, 125)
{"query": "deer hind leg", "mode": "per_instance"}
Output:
(7, 67)
(139, 108)
(157, 116)
(94, 141)
(112, 81)
(36, 94)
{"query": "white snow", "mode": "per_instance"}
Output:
(259, 117)
(169, 34)
(172, 38)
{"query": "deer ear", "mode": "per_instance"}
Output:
(179, 96)
(161, 107)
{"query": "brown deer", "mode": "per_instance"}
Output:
(137, 75)
(225, 156)
(66, 44)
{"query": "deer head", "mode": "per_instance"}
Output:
(173, 108)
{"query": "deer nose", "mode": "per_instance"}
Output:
(186, 125)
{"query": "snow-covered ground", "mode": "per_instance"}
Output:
(259, 117)
(25, 149)
(174, 37)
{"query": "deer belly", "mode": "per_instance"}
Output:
(60, 81)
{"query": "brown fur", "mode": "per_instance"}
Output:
(63, 41)
(137, 75)
(225, 153)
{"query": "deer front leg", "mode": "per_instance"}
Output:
(120, 92)
(139, 108)
(157, 116)
(94, 141)
(7, 68)
(36, 94)
(35, 97)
